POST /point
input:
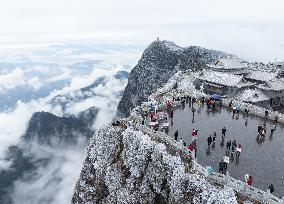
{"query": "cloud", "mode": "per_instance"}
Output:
(12, 79)
(63, 76)
(35, 83)
(227, 25)
(40, 68)
(55, 181)
(16, 78)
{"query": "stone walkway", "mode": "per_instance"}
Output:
(264, 160)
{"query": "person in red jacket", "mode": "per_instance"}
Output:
(190, 147)
(249, 181)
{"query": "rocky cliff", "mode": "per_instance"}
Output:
(160, 61)
(127, 166)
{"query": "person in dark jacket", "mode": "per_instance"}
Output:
(209, 140)
(271, 188)
(221, 167)
(259, 128)
(266, 114)
(230, 104)
(214, 137)
(176, 135)
(224, 130)
(228, 145)
(172, 114)
(234, 146)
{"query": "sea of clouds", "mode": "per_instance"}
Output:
(65, 69)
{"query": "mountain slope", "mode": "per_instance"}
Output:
(160, 61)
(127, 166)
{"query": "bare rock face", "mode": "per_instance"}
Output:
(160, 61)
(127, 166)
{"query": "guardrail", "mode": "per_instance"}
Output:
(253, 109)
(256, 110)
(221, 179)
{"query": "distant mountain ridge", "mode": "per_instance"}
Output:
(160, 61)
(44, 129)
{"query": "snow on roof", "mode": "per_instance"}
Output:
(261, 76)
(276, 85)
(228, 63)
(252, 95)
(221, 78)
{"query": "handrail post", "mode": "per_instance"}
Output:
(194, 164)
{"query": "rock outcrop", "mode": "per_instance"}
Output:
(127, 166)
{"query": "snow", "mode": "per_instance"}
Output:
(228, 63)
(261, 76)
(221, 78)
(276, 85)
(252, 95)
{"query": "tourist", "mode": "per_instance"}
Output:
(275, 119)
(238, 108)
(234, 110)
(181, 142)
(190, 147)
(214, 138)
(213, 105)
(156, 127)
(271, 188)
(209, 140)
(266, 114)
(224, 132)
(228, 145)
(234, 145)
(230, 104)
(193, 100)
(246, 178)
(182, 101)
(226, 161)
(246, 111)
(221, 167)
(249, 181)
(172, 114)
(273, 127)
(239, 150)
(193, 132)
(259, 128)
(193, 111)
(176, 135)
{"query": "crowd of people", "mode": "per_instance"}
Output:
(232, 147)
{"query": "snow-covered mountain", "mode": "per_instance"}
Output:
(160, 61)
(128, 166)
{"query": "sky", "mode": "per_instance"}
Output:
(250, 29)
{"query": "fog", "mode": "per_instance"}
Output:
(250, 29)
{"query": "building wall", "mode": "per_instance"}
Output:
(211, 89)
(276, 96)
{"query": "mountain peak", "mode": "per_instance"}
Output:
(160, 61)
